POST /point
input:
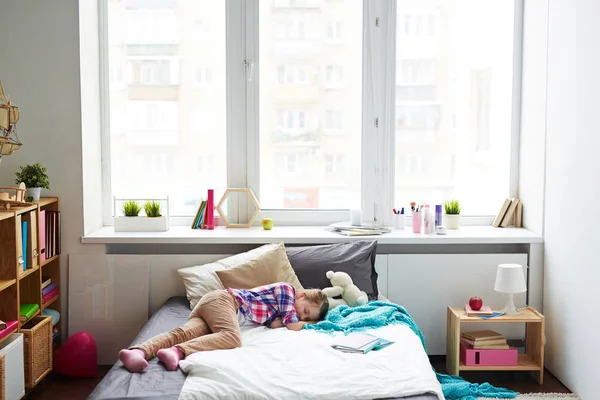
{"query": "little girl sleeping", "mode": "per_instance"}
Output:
(215, 322)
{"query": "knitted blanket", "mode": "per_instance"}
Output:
(377, 314)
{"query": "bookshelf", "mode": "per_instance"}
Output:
(27, 234)
(533, 358)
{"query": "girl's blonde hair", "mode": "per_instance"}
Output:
(318, 297)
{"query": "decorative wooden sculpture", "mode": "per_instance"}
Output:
(252, 199)
(9, 116)
(18, 199)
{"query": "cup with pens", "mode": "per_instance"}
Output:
(417, 217)
(399, 218)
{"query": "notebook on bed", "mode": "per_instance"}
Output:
(359, 343)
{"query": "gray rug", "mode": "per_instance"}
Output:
(542, 396)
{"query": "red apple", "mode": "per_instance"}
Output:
(475, 303)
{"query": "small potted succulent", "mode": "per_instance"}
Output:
(452, 214)
(132, 221)
(35, 178)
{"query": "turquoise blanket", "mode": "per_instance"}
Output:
(377, 314)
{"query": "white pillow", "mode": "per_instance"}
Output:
(201, 279)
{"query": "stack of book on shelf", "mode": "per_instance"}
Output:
(510, 212)
(49, 234)
(204, 218)
(49, 289)
(484, 340)
(27, 311)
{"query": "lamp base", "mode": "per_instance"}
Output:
(509, 306)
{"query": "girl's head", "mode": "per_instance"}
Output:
(311, 305)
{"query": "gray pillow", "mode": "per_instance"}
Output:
(357, 259)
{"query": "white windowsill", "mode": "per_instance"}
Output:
(310, 235)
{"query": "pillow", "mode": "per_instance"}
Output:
(270, 267)
(201, 279)
(357, 259)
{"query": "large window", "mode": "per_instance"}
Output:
(454, 74)
(293, 99)
(171, 111)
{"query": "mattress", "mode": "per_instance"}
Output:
(156, 382)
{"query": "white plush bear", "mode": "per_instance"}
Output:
(342, 285)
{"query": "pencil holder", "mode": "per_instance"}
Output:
(398, 221)
(417, 221)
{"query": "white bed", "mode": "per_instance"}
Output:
(302, 365)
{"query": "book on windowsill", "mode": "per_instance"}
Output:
(484, 311)
(360, 343)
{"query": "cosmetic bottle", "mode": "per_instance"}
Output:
(427, 228)
(438, 215)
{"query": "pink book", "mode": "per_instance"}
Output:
(210, 210)
(42, 236)
(11, 326)
(485, 311)
(50, 295)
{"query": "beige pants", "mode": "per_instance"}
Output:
(212, 325)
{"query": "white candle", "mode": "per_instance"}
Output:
(356, 216)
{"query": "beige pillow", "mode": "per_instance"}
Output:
(270, 267)
(201, 279)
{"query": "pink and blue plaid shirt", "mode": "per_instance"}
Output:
(263, 304)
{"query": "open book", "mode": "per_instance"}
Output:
(359, 343)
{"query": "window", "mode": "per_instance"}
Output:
(334, 163)
(453, 102)
(333, 75)
(300, 176)
(158, 141)
(152, 71)
(203, 76)
(292, 75)
(334, 31)
(294, 100)
(333, 120)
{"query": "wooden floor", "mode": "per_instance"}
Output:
(58, 387)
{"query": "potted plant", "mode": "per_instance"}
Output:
(35, 178)
(132, 221)
(452, 214)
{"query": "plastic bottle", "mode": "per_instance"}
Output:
(427, 227)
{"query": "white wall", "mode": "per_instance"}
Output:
(40, 71)
(533, 115)
(572, 265)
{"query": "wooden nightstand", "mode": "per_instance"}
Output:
(532, 360)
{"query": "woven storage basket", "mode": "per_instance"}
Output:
(37, 349)
(2, 379)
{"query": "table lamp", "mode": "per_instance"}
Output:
(510, 280)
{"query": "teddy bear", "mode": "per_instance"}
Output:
(342, 285)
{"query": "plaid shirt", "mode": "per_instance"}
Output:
(263, 304)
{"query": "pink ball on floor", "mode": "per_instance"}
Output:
(77, 357)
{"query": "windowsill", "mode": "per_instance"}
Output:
(310, 235)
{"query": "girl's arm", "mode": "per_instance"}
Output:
(296, 326)
(277, 323)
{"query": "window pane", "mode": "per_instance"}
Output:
(454, 61)
(167, 100)
(310, 104)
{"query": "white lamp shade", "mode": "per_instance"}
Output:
(510, 279)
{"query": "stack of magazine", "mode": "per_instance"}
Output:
(347, 229)
(360, 343)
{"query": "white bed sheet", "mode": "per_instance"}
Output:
(283, 364)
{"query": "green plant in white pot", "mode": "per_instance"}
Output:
(35, 178)
(133, 220)
(452, 214)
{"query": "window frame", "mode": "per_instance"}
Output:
(378, 114)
